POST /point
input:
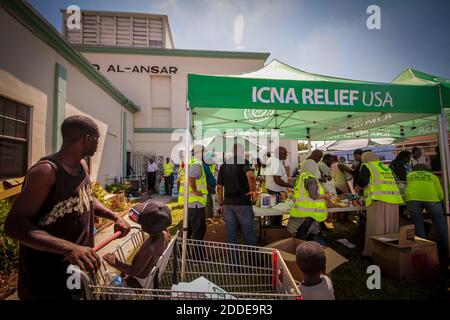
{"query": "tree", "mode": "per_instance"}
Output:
(302, 146)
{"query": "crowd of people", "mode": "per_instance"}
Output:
(405, 186)
(53, 217)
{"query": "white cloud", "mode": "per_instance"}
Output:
(210, 24)
(320, 53)
(239, 26)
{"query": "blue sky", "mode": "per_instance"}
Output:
(321, 36)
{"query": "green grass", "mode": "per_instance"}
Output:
(349, 280)
(177, 218)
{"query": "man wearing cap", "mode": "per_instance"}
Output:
(197, 195)
(154, 218)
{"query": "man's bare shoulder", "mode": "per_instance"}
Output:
(42, 173)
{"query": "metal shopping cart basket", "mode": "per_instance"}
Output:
(240, 272)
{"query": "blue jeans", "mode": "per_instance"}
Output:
(240, 216)
(436, 211)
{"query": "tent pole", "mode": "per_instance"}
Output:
(186, 188)
(443, 156)
(402, 134)
(445, 160)
(309, 141)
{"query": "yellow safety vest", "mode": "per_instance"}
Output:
(423, 186)
(168, 169)
(382, 185)
(212, 167)
(305, 206)
(200, 184)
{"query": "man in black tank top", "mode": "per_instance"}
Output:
(53, 217)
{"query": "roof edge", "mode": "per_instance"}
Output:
(174, 52)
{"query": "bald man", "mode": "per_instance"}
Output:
(53, 217)
(316, 155)
(276, 178)
(236, 192)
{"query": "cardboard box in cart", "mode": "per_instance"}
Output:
(287, 249)
(414, 261)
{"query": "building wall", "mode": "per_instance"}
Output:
(27, 75)
(137, 86)
(168, 34)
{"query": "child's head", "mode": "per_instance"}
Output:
(311, 258)
(154, 216)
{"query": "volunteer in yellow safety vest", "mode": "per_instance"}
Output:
(424, 192)
(382, 198)
(168, 176)
(197, 195)
(310, 206)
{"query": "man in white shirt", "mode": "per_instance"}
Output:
(152, 168)
(276, 178)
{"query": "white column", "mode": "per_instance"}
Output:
(187, 159)
(308, 136)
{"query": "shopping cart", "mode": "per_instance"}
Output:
(242, 272)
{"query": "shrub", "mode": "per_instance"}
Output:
(9, 248)
(100, 194)
(117, 187)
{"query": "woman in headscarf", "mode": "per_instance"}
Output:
(310, 203)
(382, 199)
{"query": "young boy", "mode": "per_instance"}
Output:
(154, 218)
(311, 260)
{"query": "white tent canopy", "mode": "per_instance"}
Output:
(344, 145)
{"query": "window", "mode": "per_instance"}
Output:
(122, 30)
(161, 101)
(14, 126)
(161, 118)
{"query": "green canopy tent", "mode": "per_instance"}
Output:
(415, 77)
(303, 106)
(282, 97)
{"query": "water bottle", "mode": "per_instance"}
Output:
(114, 280)
(162, 189)
(175, 188)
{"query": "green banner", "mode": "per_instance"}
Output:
(234, 92)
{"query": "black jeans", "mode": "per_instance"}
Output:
(276, 220)
(196, 231)
(196, 223)
(168, 184)
(151, 180)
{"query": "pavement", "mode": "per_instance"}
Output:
(127, 248)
